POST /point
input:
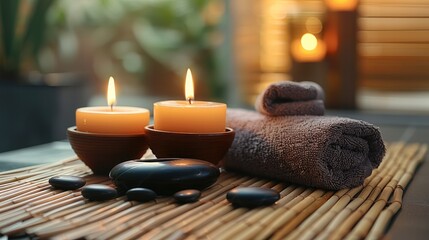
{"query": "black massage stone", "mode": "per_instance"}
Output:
(251, 197)
(67, 182)
(187, 196)
(141, 194)
(99, 192)
(165, 176)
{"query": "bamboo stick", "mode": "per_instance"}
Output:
(384, 218)
(287, 228)
(250, 232)
(42, 166)
(121, 222)
(94, 230)
(364, 226)
(155, 221)
(10, 206)
(240, 224)
(294, 210)
(387, 214)
(333, 229)
(160, 233)
(30, 194)
(323, 216)
(357, 214)
(217, 223)
(233, 226)
(19, 227)
(19, 211)
(87, 207)
(31, 205)
(195, 213)
(57, 202)
(317, 222)
(16, 189)
(216, 212)
(37, 220)
(64, 227)
(81, 223)
(291, 194)
(68, 209)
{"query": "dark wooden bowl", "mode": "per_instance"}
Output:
(210, 147)
(101, 152)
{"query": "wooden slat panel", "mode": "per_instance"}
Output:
(394, 2)
(393, 49)
(394, 66)
(406, 24)
(394, 36)
(405, 10)
(391, 84)
(394, 44)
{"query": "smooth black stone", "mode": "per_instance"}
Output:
(165, 176)
(251, 197)
(99, 192)
(141, 194)
(187, 196)
(67, 182)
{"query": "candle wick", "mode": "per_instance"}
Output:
(190, 100)
(111, 107)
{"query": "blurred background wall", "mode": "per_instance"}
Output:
(56, 56)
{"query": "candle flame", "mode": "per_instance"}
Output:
(309, 41)
(111, 93)
(189, 86)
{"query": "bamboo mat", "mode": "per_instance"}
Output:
(28, 205)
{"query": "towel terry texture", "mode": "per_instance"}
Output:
(316, 151)
(291, 98)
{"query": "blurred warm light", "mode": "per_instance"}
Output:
(111, 93)
(189, 86)
(308, 49)
(313, 25)
(342, 5)
(273, 49)
(213, 12)
(309, 41)
(278, 10)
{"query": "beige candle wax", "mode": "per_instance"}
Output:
(190, 116)
(112, 119)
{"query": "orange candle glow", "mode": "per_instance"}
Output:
(190, 116)
(112, 119)
(308, 49)
(342, 5)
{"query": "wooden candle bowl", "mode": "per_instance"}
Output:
(210, 147)
(101, 152)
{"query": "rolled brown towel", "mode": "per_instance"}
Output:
(316, 151)
(291, 98)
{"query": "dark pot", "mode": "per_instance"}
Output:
(37, 111)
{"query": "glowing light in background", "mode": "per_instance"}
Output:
(342, 5)
(313, 25)
(309, 41)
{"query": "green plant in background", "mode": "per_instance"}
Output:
(22, 33)
(105, 37)
(178, 34)
(133, 33)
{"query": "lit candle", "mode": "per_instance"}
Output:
(189, 115)
(112, 119)
(308, 49)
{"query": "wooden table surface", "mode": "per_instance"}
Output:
(412, 222)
